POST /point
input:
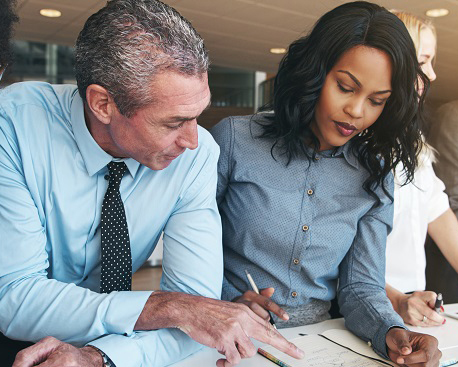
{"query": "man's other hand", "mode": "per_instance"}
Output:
(50, 352)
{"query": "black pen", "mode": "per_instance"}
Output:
(439, 302)
(255, 288)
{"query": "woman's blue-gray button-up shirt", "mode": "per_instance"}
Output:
(306, 229)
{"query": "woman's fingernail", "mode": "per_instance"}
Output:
(444, 321)
(442, 309)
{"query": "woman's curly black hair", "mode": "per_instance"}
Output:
(395, 136)
(7, 19)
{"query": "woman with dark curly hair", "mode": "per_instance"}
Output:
(305, 189)
(7, 19)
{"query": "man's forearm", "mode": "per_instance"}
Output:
(158, 312)
(165, 310)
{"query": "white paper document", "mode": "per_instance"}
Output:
(321, 352)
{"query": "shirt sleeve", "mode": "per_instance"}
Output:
(362, 298)
(33, 306)
(192, 263)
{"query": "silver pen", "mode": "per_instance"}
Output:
(439, 303)
(256, 290)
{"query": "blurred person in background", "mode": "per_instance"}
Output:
(441, 272)
(420, 207)
(8, 18)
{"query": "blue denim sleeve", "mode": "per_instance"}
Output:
(362, 299)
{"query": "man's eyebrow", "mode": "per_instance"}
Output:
(190, 118)
(358, 83)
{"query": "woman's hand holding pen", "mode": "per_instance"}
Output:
(261, 303)
(417, 309)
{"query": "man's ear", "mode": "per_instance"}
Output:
(100, 103)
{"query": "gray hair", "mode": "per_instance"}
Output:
(126, 43)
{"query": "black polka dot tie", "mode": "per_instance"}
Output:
(116, 272)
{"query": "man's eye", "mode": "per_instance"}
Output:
(176, 126)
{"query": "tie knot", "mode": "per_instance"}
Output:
(116, 171)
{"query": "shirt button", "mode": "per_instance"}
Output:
(296, 261)
(310, 192)
(106, 177)
(305, 228)
(294, 294)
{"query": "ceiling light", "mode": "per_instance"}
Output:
(435, 13)
(278, 50)
(50, 13)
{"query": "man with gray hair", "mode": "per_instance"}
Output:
(91, 177)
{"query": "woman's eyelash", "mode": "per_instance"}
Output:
(375, 103)
(343, 89)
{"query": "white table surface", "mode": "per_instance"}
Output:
(446, 334)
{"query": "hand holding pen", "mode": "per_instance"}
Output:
(421, 308)
(259, 301)
(255, 289)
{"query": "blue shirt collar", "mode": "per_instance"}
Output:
(347, 153)
(342, 151)
(94, 157)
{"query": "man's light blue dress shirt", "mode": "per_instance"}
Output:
(307, 229)
(51, 190)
